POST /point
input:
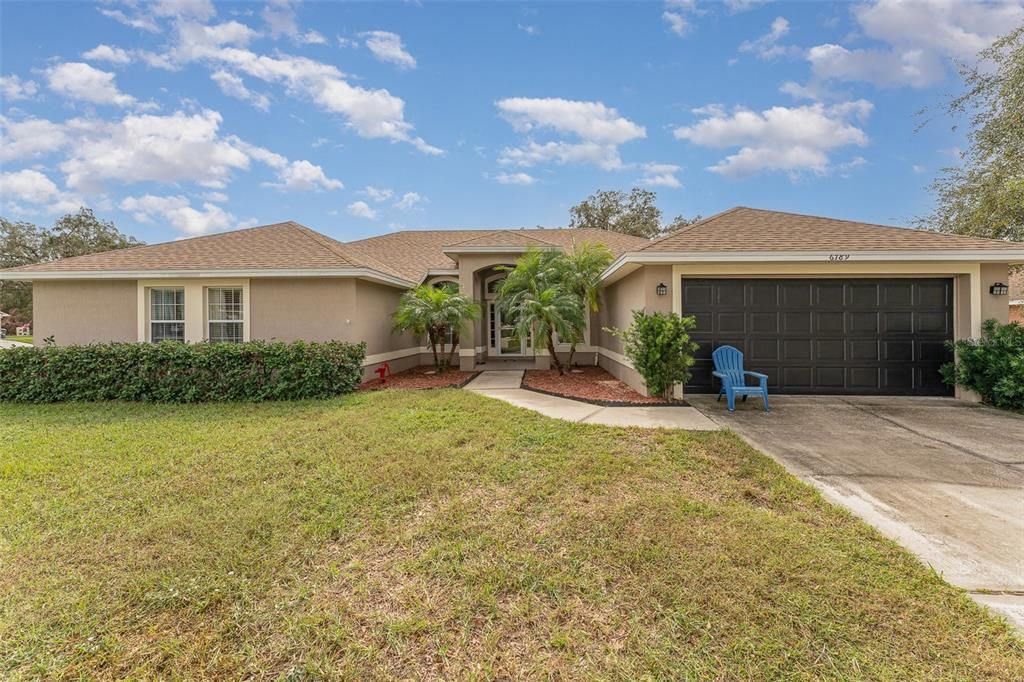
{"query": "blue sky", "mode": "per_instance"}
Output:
(184, 117)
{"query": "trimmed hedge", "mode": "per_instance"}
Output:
(992, 366)
(171, 372)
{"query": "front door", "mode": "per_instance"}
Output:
(505, 340)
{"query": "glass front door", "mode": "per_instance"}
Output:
(505, 340)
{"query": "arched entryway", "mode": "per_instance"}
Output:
(503, 339)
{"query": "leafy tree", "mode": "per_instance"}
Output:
(680, 222)
(659, 346)
(22, 243)
(634, 213)
(993, 365)
(984, 196)
(536, 296)
(434, 311)
(581, 270)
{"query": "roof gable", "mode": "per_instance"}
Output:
(499, 238)
(750, 229)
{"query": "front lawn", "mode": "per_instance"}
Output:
(444, 535)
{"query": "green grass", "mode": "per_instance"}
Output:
(23, 339)
(444, 535)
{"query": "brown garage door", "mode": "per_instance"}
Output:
(854, 336)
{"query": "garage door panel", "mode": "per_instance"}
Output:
(763, 294)
(863, 350)
(863, 295)
(796, 323)
(863, 323)
(764, 350)
(763, 323)
(867, 336)
(829, 349)
(829, 323)
(795, 294)
(897, 322)
(931, 323)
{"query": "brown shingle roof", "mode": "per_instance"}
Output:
(278, 246)
(415, 252)
(287, 246)
(751, 229)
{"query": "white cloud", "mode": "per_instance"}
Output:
(178, 211)
(13, 88)
(599, 128)
(604, 156)
(233, 86)
(193, 9)
(918, 168)
(592, 121)
(139, 21)
(29, 138)
(371, 113)
(744, 5)
(791, 139)
(528, 29)
(79, 81)
(767, 47)
(918, 38)
(281, 20)
(387, 47)
(216, 197)
(360, 209)
(886, 68)
(515, 179)
(409, 201)
(303, 176)
(952, 28)
(141, 148)
(378, 194)
(676, 23)
(661, 175)
(32, 187)
(106, 53)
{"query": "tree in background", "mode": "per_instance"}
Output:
(434, 311)
(581, 273)
(536, 296)
(984, 196)
(634, 213)
(23, 243)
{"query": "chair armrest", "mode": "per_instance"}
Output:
(723, 377)
(757, 374)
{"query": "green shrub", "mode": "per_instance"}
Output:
(992, 366)
(659, 346)
(170, 372)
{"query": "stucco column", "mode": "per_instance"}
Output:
(467, 335)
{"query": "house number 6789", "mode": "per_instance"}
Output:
(838, 256)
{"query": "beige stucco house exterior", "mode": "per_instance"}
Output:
(821, 305)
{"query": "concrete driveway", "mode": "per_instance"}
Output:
(942, 477)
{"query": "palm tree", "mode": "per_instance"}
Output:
(535, 296)
(434, 311)
(581, 273)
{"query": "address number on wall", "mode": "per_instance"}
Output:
(838, 256)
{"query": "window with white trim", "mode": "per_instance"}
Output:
(166, 314)
(224, 314)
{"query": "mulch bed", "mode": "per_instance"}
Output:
(421, 377)
(590, 385)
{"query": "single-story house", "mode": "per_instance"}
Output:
(1017, 297)
(821, 305)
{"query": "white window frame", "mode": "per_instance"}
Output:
(240, 321)
(196, 328)
(155, 321)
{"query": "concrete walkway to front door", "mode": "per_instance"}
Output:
(944, 478)
(505, 385)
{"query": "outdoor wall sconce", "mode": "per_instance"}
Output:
(999, 289)
(661, 289)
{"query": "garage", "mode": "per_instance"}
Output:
(826, 336)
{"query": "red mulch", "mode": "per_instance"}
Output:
(590, 384)
(420, 377)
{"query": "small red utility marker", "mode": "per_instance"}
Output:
(384, 369)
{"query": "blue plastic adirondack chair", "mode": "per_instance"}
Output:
(729, 369)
